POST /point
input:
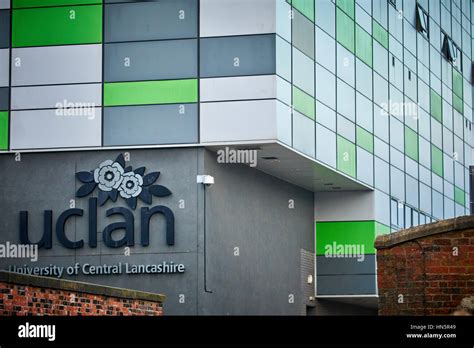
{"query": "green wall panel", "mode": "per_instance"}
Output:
(360, 233)
(57, 26)
(459, 196)
(44, 3)
(363, 45)
(151, 92)
(458, 104)
(345, 30)
(457, 83)
(303, 103)
(380, 34)
(346, 157)
(436, 160)
(306, 7)
(348, 6)
(365, 139)
(436, 106)
(411, 143)
(3, 130)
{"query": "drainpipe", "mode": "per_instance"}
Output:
(207, 181)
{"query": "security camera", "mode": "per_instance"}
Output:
(207, 180)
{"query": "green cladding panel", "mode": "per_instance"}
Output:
(436, 160)
(363, 45)
(345, 30)
(347, 233)
(348, 6)
(459, 196)
(3, 130)
(458, 104)
(303, 103)
(436, 107)
(365, 139)
(457, 83)
(411, 143)
(45, 3)
(380, 34)
(306, 7)
(346, 156)
(151, 92)
(57, 26)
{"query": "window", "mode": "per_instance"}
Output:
(394, 215)
(422, 20)
(457, 53)
(422, 219)
(393, 3)
(408, 217)
(451, 51)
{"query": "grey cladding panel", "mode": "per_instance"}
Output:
(150, 124)
(239, 55)
(303, 34)
(331, 266)
(4, 28)
(4, 99)
(158, 60)
(346, 285)
(56, 65)
(151, 20)
(4, 67)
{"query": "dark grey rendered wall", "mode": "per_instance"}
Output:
(245, 209)
(249, 210)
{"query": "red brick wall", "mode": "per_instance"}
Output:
(28, 300)
(428, 274)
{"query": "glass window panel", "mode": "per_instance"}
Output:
(382, 172)
(346, 128)
(325, 86)
(345, 100)
(364, 112)
(365, 166)
(345, 65)
(396, 134)
(303, 72)
(326, 145)
(381, 149)
(397, 183)
(363, 79)
(326, 16)
(326, 116)
(325, 50)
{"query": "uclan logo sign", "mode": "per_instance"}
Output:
(113, 179)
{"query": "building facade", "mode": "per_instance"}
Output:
(358, 112)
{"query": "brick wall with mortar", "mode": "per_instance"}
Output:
(426, 270)
(32, 295)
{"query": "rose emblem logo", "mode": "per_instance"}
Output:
(113, 178)
(131, 185)
(108, 176)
